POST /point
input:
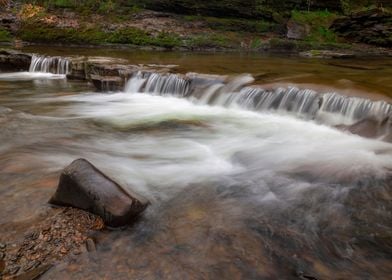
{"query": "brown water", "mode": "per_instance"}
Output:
(235, 194)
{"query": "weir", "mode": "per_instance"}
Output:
(46, 64)
(327, 108)
(242, 178)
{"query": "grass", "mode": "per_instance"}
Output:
(234, 24)
(5, 36)
(209, 41)
(319, 23)
(95, 36)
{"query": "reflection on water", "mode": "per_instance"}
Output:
(235, 194)
(353, 76)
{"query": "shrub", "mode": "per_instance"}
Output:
(5, 36)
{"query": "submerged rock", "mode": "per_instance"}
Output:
(371, 128)
(327, 54)
(83, 186)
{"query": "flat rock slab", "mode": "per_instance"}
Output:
(83, 186)
(326, 54)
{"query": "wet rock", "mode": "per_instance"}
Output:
(371, 128)
(2, 266)
(327, 54)
(90, 245)
(34, 273)
(13, 270)
(297, 31)
(107, 83)
(11, 60)
(83, 186)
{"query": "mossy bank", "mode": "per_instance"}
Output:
(258, 25)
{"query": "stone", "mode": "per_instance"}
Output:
(34, 273)
(327, 54)
(371, 27)
(107, 83)
(297, 31)
(83, 186)
(370, 128)
(2, 266)
(11, 60)
(90, 245)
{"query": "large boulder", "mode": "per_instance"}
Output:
(83, 186)
(296, 30)
(11, 60)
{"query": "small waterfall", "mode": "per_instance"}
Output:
(348, 110)
(54, 65)
(159, 84)
(328, 108)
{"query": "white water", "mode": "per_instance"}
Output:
(205, 142)
(328, 108)
(41, 68)
(46, 64)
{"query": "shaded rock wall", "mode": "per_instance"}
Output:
(252, 8)
(371, 27)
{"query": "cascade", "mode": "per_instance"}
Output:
(327, 108)
(55, 65)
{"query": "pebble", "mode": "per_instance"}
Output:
(31, 265)
(90, 245)
(13, 270)
(2, 246)
(2, 255)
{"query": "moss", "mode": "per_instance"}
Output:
(167, 40)
(5, 36)
(234, 24)
(209, 41)
(48, 34)
(319, 23)
(95, 36)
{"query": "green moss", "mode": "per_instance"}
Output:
(209, 41)
(319, 18)
(319, 23)
(5, 36)
(234, 24)
(95, 36)
(48, 34)
(167, 40)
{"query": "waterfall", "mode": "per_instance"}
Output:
(328, 108)
(54, 65)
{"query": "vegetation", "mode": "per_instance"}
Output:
(5, 36)
(95, 36)
(91, 6)
(251, 25)
(234, 24)
(319, 23)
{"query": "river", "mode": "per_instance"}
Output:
(235, 193)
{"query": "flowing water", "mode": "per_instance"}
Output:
(244, 182)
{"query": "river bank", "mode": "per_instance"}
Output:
(137, 28)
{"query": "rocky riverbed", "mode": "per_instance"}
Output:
(56, 234)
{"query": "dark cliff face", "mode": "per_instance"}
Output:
(255, 8)
(238, 8)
